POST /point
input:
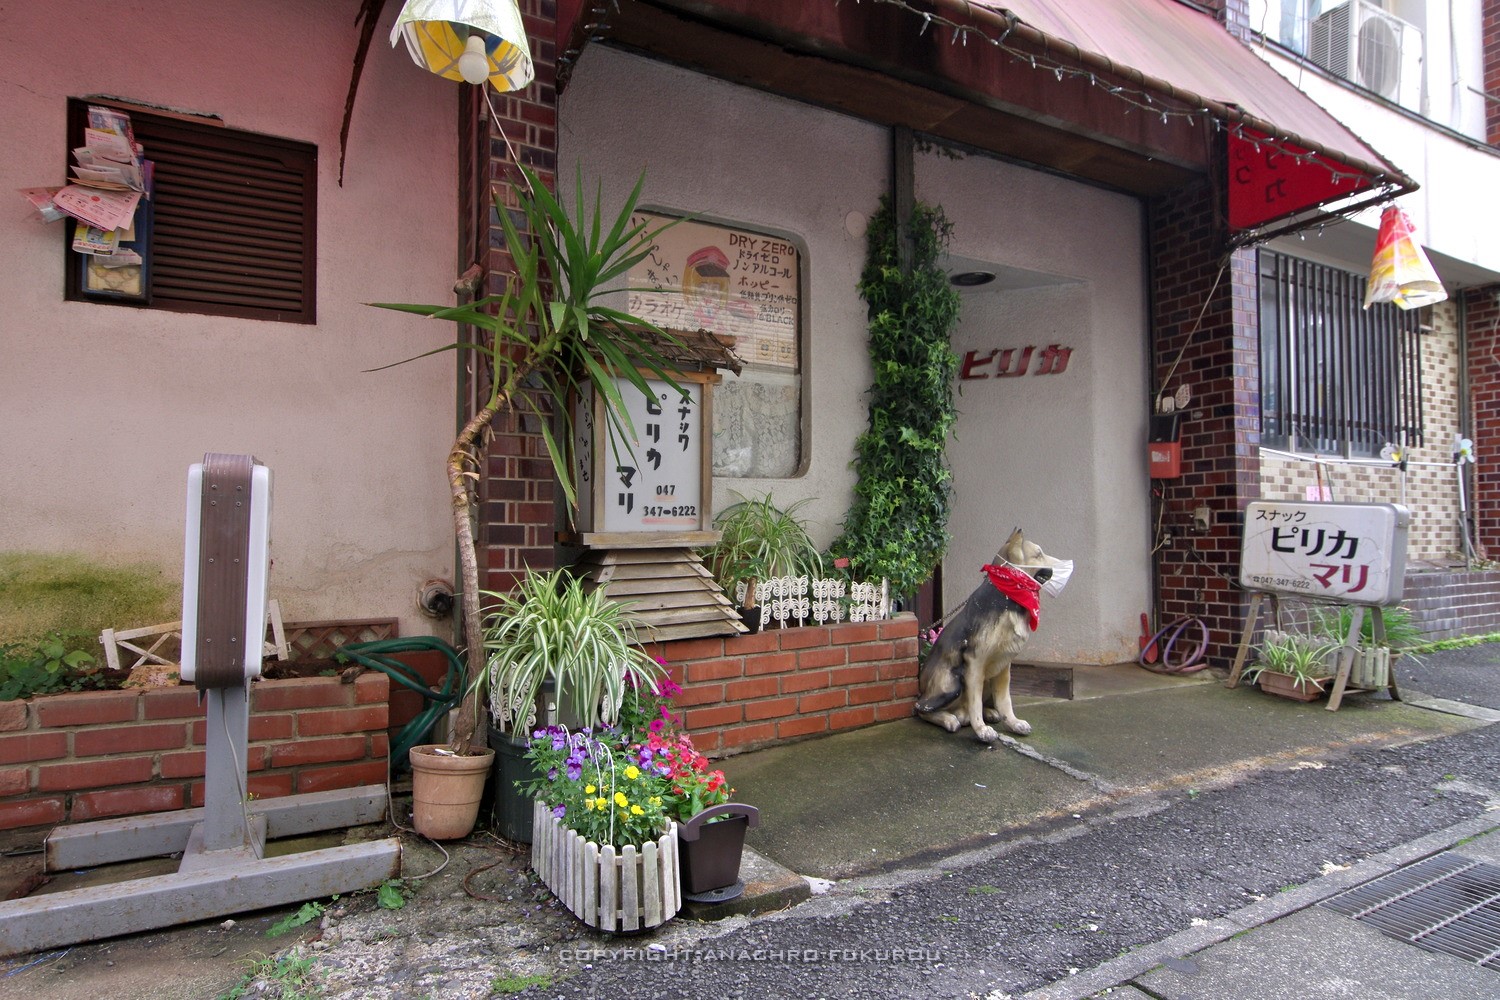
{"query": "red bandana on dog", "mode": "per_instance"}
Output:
(1019, 588)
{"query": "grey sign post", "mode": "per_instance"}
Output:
(223, 868)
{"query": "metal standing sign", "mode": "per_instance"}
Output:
(1342, 553)
(223, 868)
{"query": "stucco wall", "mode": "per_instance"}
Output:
(766, 163)
(104, 407)
(1060, 455)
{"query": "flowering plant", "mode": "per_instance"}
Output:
(622, 784)
(607, 792)
(926, 639)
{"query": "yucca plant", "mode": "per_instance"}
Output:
(542, 338)
(759, 540)
(554, 629)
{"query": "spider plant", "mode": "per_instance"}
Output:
(1300, 657)
(553, 629)
(759, 540)
(1402, 633)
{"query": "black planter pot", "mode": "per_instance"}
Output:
(708, 853)
(751, 618)
(510, 813)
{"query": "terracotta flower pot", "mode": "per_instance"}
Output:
(446, 790)
(1287, 686)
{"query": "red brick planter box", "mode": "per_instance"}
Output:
(97, 754)
(783, 684)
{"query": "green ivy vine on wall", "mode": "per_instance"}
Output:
(898, 526)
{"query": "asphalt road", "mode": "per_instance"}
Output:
(1035, 911)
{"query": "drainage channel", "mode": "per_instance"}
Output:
(1448, 904)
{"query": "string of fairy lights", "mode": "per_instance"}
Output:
(1164, 102)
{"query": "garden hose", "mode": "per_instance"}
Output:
(379, 656)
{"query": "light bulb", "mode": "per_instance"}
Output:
(474, 64)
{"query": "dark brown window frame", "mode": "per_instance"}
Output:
(256, 258)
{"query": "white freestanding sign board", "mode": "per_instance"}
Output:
(1350, 553)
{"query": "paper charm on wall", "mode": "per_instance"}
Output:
(1463, 449)
(1401, 272)
(1395, 454)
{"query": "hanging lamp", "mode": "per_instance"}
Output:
(477, 41)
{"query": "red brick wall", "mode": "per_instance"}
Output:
(783, 684)
(518, 521)
(1482, 329)
(1491, 20)
(96, 754)
(1221, 426)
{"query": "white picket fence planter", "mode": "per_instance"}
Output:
(626, 890)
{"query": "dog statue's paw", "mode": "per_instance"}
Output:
(986, 733)
(1018, 726)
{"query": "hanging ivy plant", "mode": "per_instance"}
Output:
(898, 526)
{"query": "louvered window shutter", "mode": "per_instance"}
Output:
(234, 219)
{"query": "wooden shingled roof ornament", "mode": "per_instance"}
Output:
(645, 513)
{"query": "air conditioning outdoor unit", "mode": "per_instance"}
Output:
(1375, 50)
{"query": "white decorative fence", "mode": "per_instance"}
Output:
(790, 601)
(631, 889)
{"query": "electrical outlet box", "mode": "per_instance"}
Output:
(1202, 518)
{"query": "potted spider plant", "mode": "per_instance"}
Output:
(555, 651)
(759, 540)
(1292, 666)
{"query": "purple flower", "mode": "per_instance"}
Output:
(557, 741)
(552, 774)
(656, 725)
(575, 770)
(559, 811)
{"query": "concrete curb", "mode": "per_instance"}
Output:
(1119, 971)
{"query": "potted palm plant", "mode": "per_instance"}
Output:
(545, 336)
(555, 651)
(759, 540)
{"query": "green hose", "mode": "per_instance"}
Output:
(378, 656)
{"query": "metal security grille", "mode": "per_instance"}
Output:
(1448, 904)
(1335, 378)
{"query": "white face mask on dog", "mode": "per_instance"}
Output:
(1054, 585)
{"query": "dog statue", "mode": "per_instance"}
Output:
(973, 653)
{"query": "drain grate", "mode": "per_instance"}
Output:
(1447, 904)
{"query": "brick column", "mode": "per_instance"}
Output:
(1218, 357)
(1482, 333)
(1490, 19)
(517, 520)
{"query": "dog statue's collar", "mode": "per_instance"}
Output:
(1019, 587)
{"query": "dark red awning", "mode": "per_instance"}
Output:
(1287, 154)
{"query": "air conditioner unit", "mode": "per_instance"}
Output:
(1371, 48)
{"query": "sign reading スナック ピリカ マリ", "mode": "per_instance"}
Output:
(1351, 553)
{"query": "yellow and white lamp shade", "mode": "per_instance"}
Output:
(477, 41)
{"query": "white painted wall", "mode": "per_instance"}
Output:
(1455, 217)
(103, 408)
(1063, 456)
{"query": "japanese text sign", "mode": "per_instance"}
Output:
(656, 483)
(1354, 553)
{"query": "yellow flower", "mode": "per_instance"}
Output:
(599, 804)
(621, 800)
(655, 800)
(637, 811)
(588, 789)
(632, 772)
